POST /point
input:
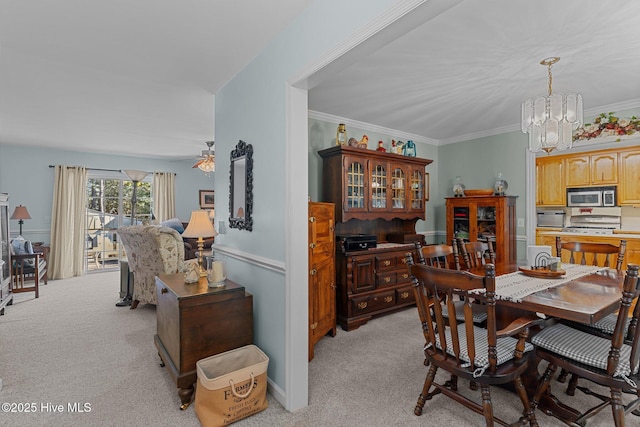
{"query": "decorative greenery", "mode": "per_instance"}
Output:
(608, 124)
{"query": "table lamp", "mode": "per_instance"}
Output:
(200, 227)
(20, 213)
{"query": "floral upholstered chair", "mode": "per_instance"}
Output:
(151, 250)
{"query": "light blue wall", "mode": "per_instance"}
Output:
(25, 174)
(252, 107)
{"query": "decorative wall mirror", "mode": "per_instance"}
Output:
(241, 187)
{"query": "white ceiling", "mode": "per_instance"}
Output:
(465, 73)
(126, 76)
(138, 77)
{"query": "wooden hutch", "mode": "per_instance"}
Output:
(485, 218)
(382, 195)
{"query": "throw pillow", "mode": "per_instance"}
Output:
(20, 246)
(174, 223)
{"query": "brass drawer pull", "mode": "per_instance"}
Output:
(405, 276)
(388, 299)
(362, 305)
(404, 295)
(387, 279)
(386, 263)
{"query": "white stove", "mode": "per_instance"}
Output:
(594, 220)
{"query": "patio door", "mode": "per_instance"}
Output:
(109, 207)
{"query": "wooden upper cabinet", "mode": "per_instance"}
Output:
(366, 184)
(550, 181)
(604, 168)
(578, 171)
(629, 188)
(592, 169)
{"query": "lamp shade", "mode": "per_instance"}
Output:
(20, 212)
(135, 175)
(199, 225)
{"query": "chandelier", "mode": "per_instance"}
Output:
(550, 120)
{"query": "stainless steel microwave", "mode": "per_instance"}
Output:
(592, 196)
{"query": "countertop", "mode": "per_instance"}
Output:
(619, 235)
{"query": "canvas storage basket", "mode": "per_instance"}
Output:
(231, 386)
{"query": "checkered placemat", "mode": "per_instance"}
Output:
(515, 286)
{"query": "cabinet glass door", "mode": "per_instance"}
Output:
(486, 220)
(398, 186)
(379, 186)
(355, 185)
(417, 190)
(461, 222)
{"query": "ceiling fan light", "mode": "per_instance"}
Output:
(207, 166)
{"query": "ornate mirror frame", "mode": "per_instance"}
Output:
(241, 187)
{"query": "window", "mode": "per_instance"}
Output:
(109, 207)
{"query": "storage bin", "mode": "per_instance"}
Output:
(231, 386)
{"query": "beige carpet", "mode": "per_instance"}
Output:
(73, 346)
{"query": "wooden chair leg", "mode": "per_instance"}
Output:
(617, 407)
(487, 408)
(573, 383)
(563, 376)
(424, 396)
(543, 385)
(526, 404)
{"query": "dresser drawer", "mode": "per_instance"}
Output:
(386, 262)
(373, 302)
(386, 279)
(405, 295)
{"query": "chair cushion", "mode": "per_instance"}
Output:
(608, 324)
(505, 346)
(174, 223)
(478, 311)
(582, 347)
(20, 246)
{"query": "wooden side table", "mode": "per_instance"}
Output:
(195, 321)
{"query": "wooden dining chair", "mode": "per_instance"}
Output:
(442, 256)
(476, 254)
(609, 362)
(599, 254)
(465, 350)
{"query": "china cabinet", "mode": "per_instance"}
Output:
(485, 218)
(367, 184)
(6, 296)
(322, 273)
(379, 196)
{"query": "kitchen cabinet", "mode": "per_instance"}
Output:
(550, 189)
(322, 273)
(6, 295)
(485, 218)
(629, 188)
(600, 168)
(366, 184)
(372, 282)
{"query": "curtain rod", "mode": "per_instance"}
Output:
(99, 169)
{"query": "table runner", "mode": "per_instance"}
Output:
(515, 286)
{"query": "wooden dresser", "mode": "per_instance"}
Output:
(195, 321)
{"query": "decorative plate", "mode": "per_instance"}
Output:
(479, 192)
(542, 274)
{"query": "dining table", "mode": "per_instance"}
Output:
(584, 294)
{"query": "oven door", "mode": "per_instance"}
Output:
(584, 197)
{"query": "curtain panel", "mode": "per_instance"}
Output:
(164, 195)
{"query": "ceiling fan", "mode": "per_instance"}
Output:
(207, 162)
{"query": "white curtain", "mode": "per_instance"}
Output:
(164, 195)
(68, 222)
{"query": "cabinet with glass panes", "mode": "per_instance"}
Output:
(367, 184)
(484, 218)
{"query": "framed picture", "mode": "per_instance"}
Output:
(207, 199)
(426, 187)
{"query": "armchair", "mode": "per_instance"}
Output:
(151, 250)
